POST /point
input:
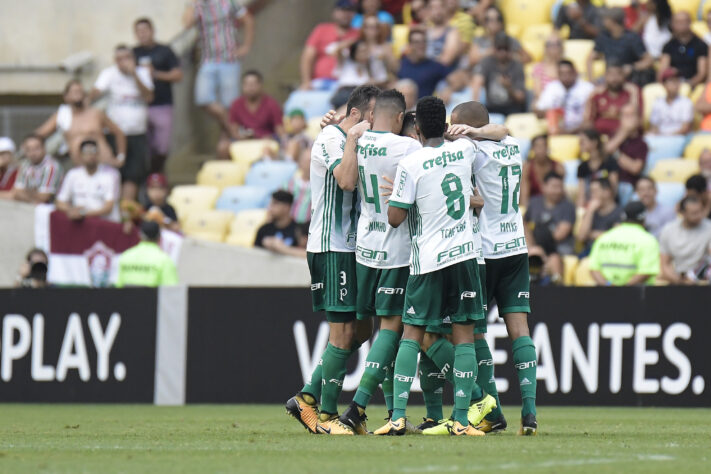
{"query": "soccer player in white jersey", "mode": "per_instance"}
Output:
(331, 258)
(498, 177)
(432, 193)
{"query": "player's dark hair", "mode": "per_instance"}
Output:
(552, 175)
(283, 196)
(696, 183)
(144, 20)
(688, 200)
(88, 142)
(431, 117)
(408, 124)
(566, 62)
(361, 97)
(391, 100)
(472, 113)
(603, 182)
(255, 73)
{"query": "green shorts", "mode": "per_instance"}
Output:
(333, 283)
(381, 291)
(452, 292)
(508, 282)
(445, 327)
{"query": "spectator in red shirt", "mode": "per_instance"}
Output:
(253, 115)
(8, 169)
(629, 143)
(605, 105)
(326, 41)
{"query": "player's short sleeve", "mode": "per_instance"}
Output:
(332, 151)
(648, 258)
(404, 188)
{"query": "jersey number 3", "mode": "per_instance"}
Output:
(452, 189)
(504, 173)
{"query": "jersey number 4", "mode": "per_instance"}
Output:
(374, 199)
(504, 173)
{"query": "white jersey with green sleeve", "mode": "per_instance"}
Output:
(434, 184)
(497, 170)
(333, 210)
(380, 245)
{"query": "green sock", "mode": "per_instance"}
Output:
(525, 362)
(485, 378)
(465, 370)
(442, 354)
(432, 383)
(380, 356)
(312, 388)
(405, 371)
(387, 386)
(334, 371)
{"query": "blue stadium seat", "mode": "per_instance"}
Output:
(661, 148)
(625, 191)
(270, 175)
(670, 193)
(239, 198)
(497, 118)
(313, 103)
(465, 95)
(571, 172)
(525, 147)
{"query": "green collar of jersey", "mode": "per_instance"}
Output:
(378, 131)
(339, 128)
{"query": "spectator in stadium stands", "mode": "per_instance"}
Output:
(705, 166)
(582, 17)
(408, 88)
(707, 36)
(502, 77)
(90, 190)
(157, 207)
(130, 89)
(626, 255)
(617, 44)
(462, 21)
(653, 24)
(443, 41)
(685, 51)
(415, 65)
(703, 107)
(601, 214)
(77, 121)
(536, 168)
(297, 140)
(380, 51)
(546, 71)
(657, 215)
(604, 107)
(318, 59)
(254, 114)
(39, 176)
(673, 114)
(299, 185)
(548, 223)
(280, 233)
(164, 67)
(146, 264)
(355, 69)
(697, 186)
(598, 165)
(33, 271)
(217, 81)
(563, 101)
(8, 168)
(685, 243)
(372, 9)
(631, 149)
(483, 46)
(394, 7)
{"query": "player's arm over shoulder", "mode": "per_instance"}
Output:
(491, 131)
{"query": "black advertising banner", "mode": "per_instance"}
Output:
(77, 345)
(596, 346)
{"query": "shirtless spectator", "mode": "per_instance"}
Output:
(39, 176)
(78, 121)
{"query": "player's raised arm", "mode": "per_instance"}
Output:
(402, 198)
(489, 131)
(346, 172)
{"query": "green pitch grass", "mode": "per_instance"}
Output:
(262, 439)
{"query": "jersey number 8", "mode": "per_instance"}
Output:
(455, 198)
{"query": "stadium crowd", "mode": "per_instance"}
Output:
(611, 105)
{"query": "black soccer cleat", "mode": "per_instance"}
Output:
(352, 417)
(529, 425)
(492, 426)
(427, 423)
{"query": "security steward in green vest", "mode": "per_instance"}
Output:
(627, 254)
(146, 264)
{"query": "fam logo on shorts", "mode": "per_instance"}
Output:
(316, 286)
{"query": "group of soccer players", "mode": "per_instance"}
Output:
(417, 225)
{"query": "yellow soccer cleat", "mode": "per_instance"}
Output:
(392, 428)
(457, 429)
(495, 426)
(303, 412)
(529, 426)
(333, 426)
(478, 410)
(441, 429)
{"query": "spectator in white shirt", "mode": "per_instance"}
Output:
(90, 190)
(673, 114)
(657, 215)
(130, 90)
(566, 96)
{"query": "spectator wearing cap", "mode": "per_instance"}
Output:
(324, 44)
(626, 255)
(39, 176)
(685, 51)
(502, 77)
(146, 264)
(685, 243)
(157, 208)
(279, 234)
(601, 214)
(297, 141)
(673, 114)
(617, 44)
(563, 100)
(90, 190)
(657, 215)
(582, 17)
(8, 168)
(415, 65)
